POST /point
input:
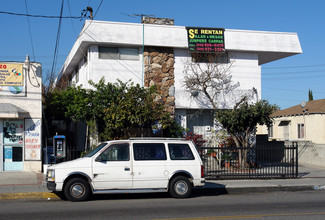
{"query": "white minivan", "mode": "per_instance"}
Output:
(126, 166)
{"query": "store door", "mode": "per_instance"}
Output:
(12, 144)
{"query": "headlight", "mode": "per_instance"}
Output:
(50, 175)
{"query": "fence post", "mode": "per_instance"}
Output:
(296, 159)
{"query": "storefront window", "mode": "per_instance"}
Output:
(13, 139)
(13, 131)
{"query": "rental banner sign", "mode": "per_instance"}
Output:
(11, 74)
(206, 40)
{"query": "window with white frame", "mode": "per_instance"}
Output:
(118, 53)
(301, 130)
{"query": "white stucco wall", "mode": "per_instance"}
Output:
(245, 70)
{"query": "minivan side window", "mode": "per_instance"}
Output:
(116, 152)
(180, 152)
(149, 151)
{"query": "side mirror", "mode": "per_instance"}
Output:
(99, 159)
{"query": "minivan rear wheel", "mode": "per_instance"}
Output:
(76, 190)
(180, 187)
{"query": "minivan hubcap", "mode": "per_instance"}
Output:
(181, 187)
(77, 190)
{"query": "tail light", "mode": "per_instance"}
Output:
(202, 171)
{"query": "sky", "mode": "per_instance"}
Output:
(285, 82)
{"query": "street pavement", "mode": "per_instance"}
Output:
(26, 185)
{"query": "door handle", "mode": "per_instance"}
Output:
(127, 169)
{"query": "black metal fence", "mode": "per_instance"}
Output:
(267, 161)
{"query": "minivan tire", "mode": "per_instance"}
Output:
(76, 190)
(180, 187)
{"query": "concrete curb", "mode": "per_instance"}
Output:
(30, 195)
(219, 190)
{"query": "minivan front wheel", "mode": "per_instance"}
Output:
(76, 190)
(180, 187)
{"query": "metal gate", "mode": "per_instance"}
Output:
(267, 161)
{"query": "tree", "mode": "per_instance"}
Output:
(118, 110)
(310, 95)
(133, 107)
(212, 77)
(241, 122)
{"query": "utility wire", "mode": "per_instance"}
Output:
(30, 31)
(289, 90)
(100, 4)
(57, 43)
(310, 71)
(73, 28)
(86, 27)
(292, 67)
(39, 16)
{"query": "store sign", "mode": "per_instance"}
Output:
(11, 74)
(206, 40)
(32, 139)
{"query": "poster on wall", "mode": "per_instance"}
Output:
(13, 130)
(7, 154)
(32, 139)
(11, 79)
(206, 40)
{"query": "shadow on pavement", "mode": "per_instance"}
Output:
(210, 189)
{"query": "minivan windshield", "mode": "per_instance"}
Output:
(95, 150)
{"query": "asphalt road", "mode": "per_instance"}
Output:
(279, 205)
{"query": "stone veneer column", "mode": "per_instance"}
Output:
(159, 68)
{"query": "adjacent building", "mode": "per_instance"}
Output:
(157, 52)
(303, 124)
(20, 116)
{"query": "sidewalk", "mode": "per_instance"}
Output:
(24, 185)
(309, 178)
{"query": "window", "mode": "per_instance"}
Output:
(180, 152)
(17, 154)
(149, 151)
(116, 152)
(210, 57)
(95, 150)
(85, 60)
(301, 131)
(118, 53)
(270, 131)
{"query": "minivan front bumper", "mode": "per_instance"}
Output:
(51, 186)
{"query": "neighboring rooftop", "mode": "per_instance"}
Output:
(311, 107)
